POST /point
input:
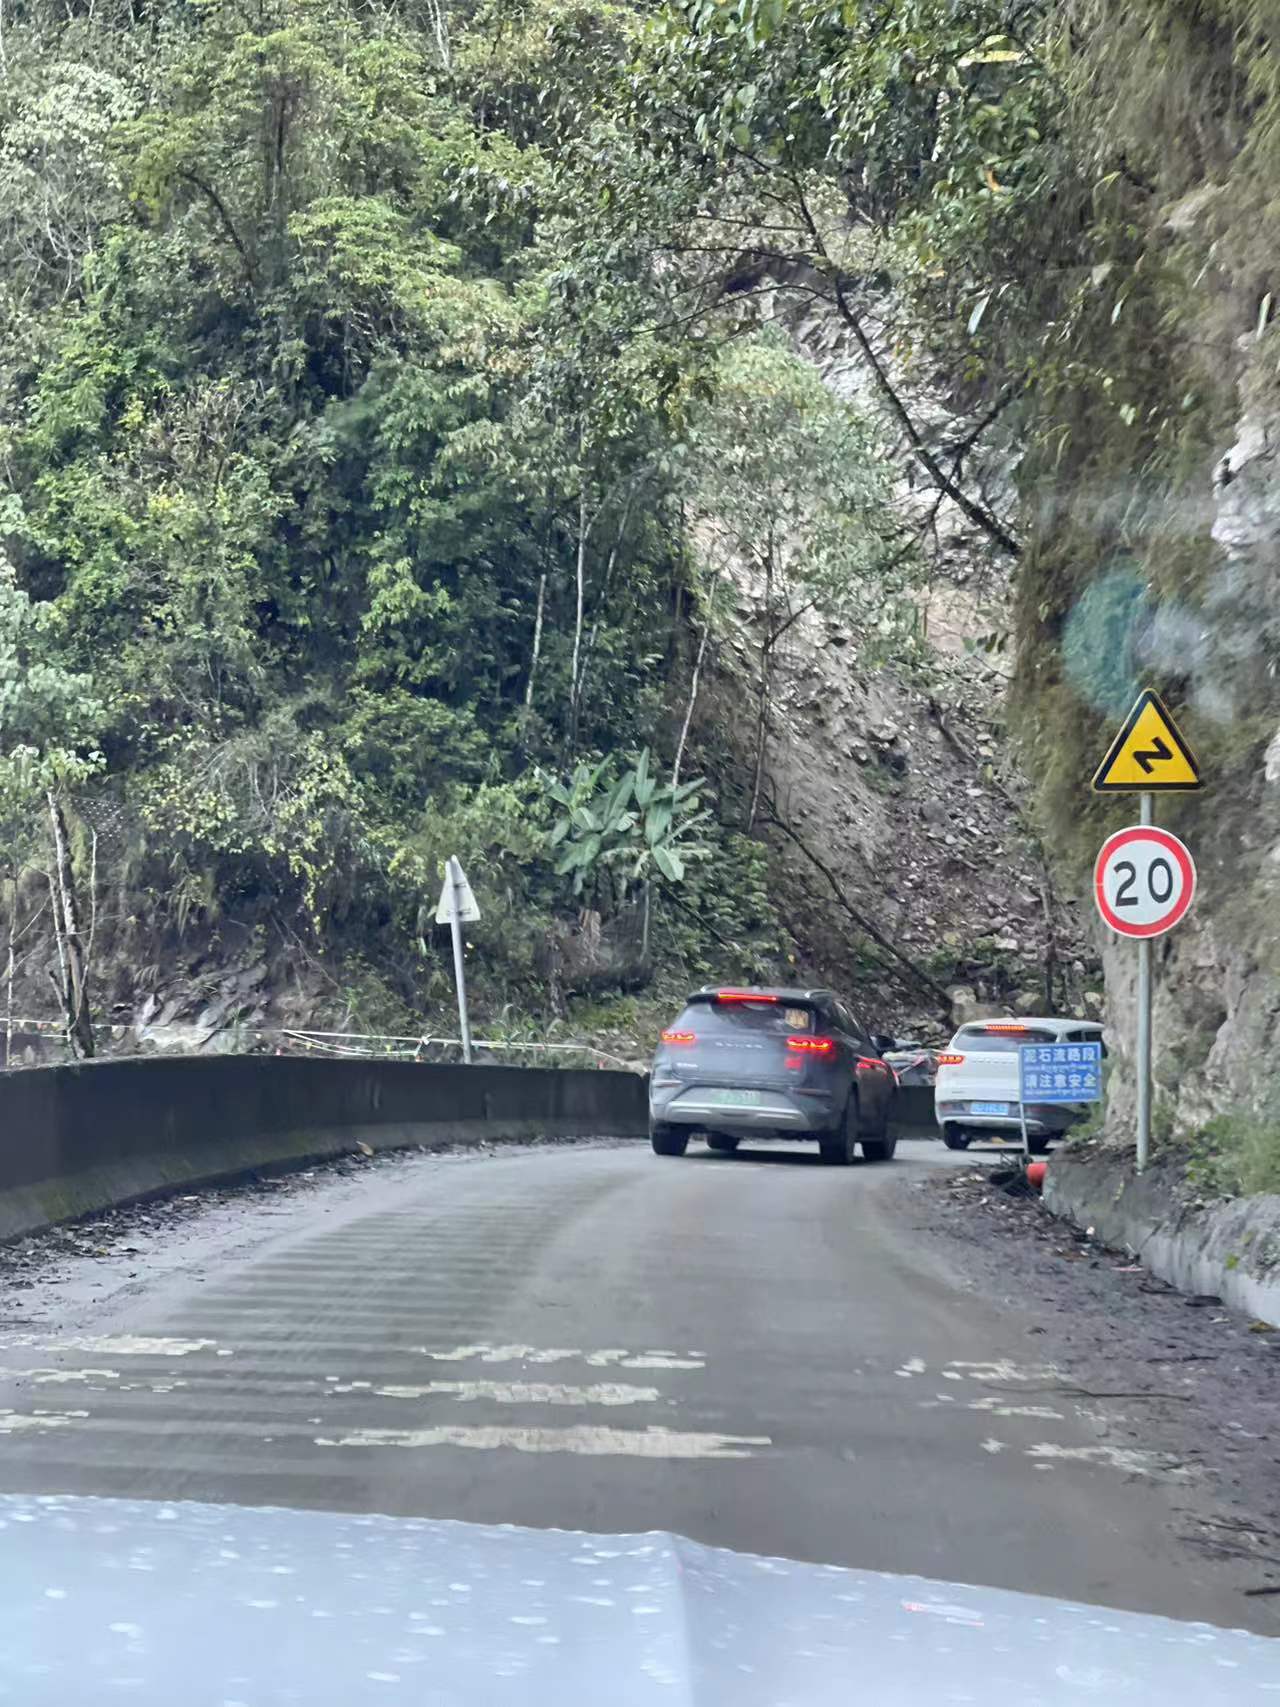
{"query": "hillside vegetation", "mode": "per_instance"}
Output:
(366, 475)
(397, 406)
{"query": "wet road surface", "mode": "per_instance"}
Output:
(751, 1350)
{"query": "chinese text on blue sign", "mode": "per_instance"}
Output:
(1060, 1072)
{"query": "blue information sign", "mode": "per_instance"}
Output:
(1060, 1072)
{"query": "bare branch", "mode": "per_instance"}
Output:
(219, 206)
(864, 924)
(977, 514)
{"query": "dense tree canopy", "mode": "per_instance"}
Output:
(356, 432)
(398, 402)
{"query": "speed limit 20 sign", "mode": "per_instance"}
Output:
(1144, 881)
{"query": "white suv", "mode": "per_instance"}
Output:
(977, 1086)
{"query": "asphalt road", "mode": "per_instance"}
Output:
(754, 1351)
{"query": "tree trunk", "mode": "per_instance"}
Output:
(762, 712)
(75, 988)
(8, 975)
(693, 684)
(590, 648)
(60, 982)
(581, 576)
(1050, 939)
(537, 641)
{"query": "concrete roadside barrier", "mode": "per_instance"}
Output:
(75, 1139)
(1228, 1249)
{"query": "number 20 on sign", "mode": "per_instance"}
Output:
(1144, 880)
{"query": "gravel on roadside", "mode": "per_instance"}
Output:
(1178, 1375)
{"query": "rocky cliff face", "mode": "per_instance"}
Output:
(1217, 976)
(893, 798)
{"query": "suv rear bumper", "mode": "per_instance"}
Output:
(776, 1111)
(1042, 1118)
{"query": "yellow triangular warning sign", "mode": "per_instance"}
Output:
(1149, 754)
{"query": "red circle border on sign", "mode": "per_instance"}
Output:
(1172, 845)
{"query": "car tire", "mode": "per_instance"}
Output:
(880, 1148)
(955, 1138)
(722, 1141)
(1038, 1144)
(836, 1148)
(668, 1140)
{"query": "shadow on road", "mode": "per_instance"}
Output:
(787, 1158)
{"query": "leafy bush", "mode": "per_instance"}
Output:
(1236, 1153)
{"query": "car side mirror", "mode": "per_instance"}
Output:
(882, 1042)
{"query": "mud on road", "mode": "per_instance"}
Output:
(1184, 1384)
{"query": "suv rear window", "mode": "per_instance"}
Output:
(999, 1042)
(781, 1019)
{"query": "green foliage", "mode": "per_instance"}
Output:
(784, 480)
(367, 463)
(1236, 1153)
(1069, 215)
(285, 485)
(618, 836)
(48, 715)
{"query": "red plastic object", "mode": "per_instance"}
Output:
(1035, 1174)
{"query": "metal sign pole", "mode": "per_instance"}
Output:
(455, 880)
(1022, 1103)
(1148, 754)
(1145, 804)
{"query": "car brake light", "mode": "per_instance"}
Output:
(679, 1037)
(813, 1045)
(742, 996)
(950, 1060)
(1000, 1025)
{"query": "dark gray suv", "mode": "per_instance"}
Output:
(779, 1063)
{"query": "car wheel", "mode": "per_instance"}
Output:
(1037, 1143)
(668, 1140)
(880, 1148)
(722, 1141)
(954, 1138)
(836, 1148)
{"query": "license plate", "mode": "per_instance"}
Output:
(736, 1099)
(989, 1108)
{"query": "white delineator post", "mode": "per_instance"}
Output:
(453, 883)
(1143, 1050)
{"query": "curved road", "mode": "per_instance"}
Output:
(753, 1351)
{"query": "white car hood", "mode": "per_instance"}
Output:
(185, 1605)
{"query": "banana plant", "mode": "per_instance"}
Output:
(629, 830)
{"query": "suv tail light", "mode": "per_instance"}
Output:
(742, 996)
(950, 1060)
(679, 1037)
(813, 1045)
